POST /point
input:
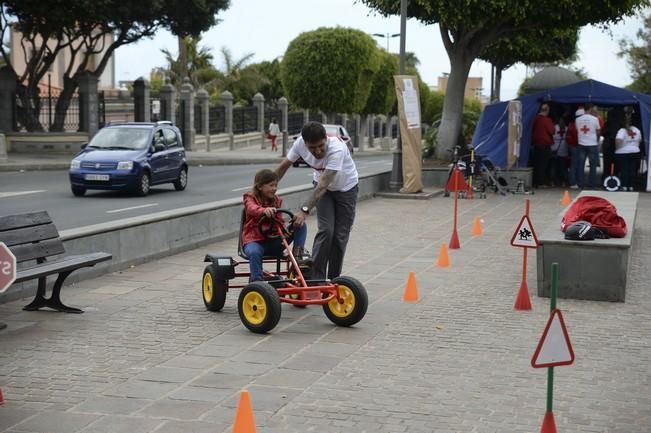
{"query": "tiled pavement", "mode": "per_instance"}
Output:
(147, 357)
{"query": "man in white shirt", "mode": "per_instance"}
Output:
(627, 151)
(334, 196)
(588, 130)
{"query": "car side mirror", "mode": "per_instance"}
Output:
(83, 146)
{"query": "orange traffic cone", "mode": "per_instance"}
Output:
(443, 261)
(411, 292)
(476, 227)
(244, 421)
(566, 198)
(2, 398)
(522, 301)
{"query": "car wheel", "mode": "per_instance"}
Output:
(353, 305)
(213, 290)
(78, 191)
(182, 181)
(259, 307)
(143, 184)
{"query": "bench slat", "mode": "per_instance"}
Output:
(28, 235)
(47, 248)
(65, 264)
(12, 222)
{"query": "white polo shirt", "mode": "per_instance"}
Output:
(631, 140)
(337, 158)
(586, 129)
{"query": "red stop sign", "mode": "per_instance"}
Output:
(7, 267)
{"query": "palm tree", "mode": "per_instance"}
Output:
(199, 64)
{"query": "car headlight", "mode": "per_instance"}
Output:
(75, 163)
(125, 165)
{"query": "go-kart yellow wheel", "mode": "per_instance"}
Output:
(353, 304)
(259, 307)
(213, 289)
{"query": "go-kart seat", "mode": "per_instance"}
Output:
(240, 248)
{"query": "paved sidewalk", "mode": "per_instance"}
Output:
(220, 156)
(147, 357)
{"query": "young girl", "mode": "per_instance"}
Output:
(262, 200)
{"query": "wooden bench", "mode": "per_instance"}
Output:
(34, 240)
(593, 270)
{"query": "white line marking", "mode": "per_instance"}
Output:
(131, 208)
(241, 189)
(15, 193)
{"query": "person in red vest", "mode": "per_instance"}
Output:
(542, 138)
(572, 140)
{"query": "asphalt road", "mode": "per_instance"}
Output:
(50, 191)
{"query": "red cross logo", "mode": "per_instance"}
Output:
(585, 129)
(631, 133)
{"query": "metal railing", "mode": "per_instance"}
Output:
(41, 116)
(272, 113)
(217, 119)
(245, 119)
(295, 122)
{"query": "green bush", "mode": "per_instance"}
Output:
(471, 113)
(330, 69)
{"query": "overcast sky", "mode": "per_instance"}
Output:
(265, 28)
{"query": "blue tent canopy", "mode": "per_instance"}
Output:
(490, 138)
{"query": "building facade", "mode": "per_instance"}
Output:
(53, 80)
(474, 88)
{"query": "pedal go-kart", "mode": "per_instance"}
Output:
(344, 299)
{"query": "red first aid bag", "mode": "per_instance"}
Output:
(599, 212)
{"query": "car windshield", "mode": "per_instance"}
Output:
(120, 139)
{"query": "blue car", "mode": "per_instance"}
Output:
(131, 156)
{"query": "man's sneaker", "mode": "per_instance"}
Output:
(302, 256)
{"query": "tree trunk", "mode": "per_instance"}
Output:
(452, 116)
(498, 83)
(63, 103)
(183, 60)
(28, 108)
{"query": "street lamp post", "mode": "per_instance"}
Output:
(396, 180)
(388, 36)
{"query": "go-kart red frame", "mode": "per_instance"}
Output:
(344, 299)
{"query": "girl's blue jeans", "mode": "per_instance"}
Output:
(255, 251)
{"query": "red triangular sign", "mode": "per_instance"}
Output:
(456, 182)
(554, 347)
(525, 235)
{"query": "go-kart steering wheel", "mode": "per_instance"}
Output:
(269, 226)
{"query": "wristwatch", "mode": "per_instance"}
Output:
(305, 210)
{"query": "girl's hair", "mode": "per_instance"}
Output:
(262, 177)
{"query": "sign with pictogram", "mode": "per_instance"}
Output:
(554, 347)
(524, 235)
(7, 267)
